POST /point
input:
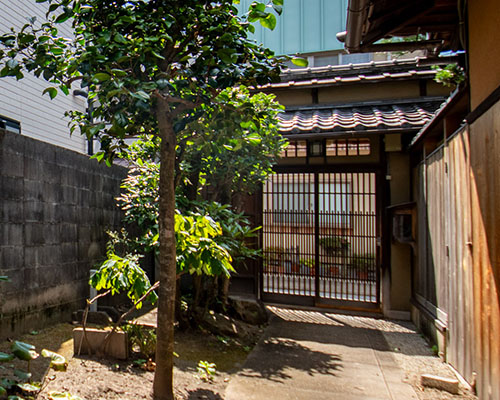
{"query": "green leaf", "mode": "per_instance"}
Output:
(28, 387)
(3, 391)
(300, 62)
(23, 375)
(141, 94)
(101, 77)
(63, 17)
(269, 22)
(157, 55)
(119, 72)
(12, 63)
(119, 38)
(57, 362)
(4, 278)
(24, 351)
(51, 91)
(4, 357)
(278, 9)
(7, 383)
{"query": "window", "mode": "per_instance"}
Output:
(348, 147)
(330, 147)
(10, 125)
(296, 148)
(355, 58)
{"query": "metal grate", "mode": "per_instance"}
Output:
(320, 236)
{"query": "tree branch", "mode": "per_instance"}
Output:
(124, 315)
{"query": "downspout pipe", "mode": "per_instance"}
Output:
(355, 13)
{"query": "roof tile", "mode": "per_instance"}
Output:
(363, 117)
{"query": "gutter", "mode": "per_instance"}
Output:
(354, 27)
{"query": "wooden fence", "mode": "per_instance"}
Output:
(458, 245)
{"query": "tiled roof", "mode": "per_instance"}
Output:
(352, 73)
(363, 117)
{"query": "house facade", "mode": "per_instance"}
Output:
(23, 108)
(326, 234)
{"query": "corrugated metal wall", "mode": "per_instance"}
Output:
(306, 26)
(459, 249)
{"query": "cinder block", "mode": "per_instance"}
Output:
(34, 233)
(12, 164)
(12, 188)
(117, 346)
(12, 234)
(51, 192)
(33, 190)
(33, 211)
(69, 233)
(439, 382)
(31, 256)
(11, 258)
(33, 169)
(69, 252)
(11, 211)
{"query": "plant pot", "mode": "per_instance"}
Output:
(117, 346)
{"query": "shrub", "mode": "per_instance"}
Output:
(334, 245)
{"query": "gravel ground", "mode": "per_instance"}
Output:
(410, 350)
(413, 354)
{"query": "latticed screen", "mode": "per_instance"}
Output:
(320, 235)
(332, 147)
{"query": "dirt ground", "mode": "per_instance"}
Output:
(93, 378)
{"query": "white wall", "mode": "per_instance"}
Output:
(40, 117)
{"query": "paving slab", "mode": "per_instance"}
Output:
(307, 355)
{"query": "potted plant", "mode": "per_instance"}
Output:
(334, 245)
(363, 264)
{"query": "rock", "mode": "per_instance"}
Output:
(93, 317)
(438, 382)
(219, 324)
(111, 311)
(248, 309)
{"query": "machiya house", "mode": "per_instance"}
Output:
(328, 236)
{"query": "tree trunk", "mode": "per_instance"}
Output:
(163, 380)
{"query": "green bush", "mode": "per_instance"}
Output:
(334, 245)
(365, 262)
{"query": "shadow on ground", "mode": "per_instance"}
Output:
(202, 394)
(344, 330)
(284, 354)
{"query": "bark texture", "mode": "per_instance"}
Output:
(163, 380)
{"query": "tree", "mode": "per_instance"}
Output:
(148, 66)
(231, 149)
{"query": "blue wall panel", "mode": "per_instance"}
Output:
(306, 26)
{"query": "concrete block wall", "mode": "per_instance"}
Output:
(55, 206)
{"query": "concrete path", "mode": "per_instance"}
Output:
(314, 356)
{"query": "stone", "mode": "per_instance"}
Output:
(248, 309)
(439, 382)
(219, 324)
(111, 311)
(117, 346)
